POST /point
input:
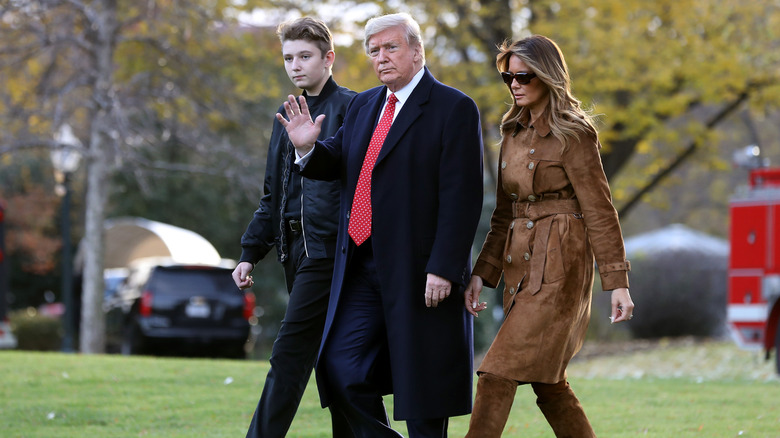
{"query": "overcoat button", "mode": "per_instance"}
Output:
(527, 256)
(532, 151)
(514, 196)
(530, 224)
(531, 198)
(512, 225)
(509, 258)
(503, 164)
(531, 166)
(511, 291)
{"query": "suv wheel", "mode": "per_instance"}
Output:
(235, 352)
(777, 349)
(132, 340)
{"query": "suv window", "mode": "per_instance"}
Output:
(184, 281)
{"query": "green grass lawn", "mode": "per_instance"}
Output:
(70, 395)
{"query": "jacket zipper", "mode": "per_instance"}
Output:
(303, 225)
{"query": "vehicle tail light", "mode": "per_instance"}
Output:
(249, 305)
(145, 309)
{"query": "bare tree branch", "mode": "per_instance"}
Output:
(682, 157)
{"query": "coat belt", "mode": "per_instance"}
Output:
(539, 209)
(542, 214)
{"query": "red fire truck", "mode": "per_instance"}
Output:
(754, 263)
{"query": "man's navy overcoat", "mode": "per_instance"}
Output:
(426, 204)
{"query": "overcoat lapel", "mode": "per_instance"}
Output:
(362, 136)
(410, 112)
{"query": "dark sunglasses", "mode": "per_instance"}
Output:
(522, 78)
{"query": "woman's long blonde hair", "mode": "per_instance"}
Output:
(566, 118)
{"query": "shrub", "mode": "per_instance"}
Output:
(680, 292)
(34, 331)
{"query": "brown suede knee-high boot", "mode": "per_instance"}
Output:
(563, 410)
(491, 406)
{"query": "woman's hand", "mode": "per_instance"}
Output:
(473, 290)
(622, 306)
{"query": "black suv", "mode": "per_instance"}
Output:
(179, 309)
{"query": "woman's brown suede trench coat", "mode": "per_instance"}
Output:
(553, 214)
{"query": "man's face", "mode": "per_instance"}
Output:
(305, 65)
(395, 62)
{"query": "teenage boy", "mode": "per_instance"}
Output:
(300, 217)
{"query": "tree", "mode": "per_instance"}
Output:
(128, 77)
(667, 73)
(664, 74)
(162, 88)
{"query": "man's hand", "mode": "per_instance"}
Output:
(300, 128)
(472, 296)
(241, 275)
(436, 290)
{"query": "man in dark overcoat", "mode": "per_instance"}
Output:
(392, 325)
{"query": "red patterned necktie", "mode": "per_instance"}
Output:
(360, 217)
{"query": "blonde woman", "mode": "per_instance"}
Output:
(553, 215)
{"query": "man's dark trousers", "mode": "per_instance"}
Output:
(357, 352)
(296, 345)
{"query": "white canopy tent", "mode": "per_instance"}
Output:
(132, 238)
(676, 237)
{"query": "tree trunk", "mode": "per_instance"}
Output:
(92, 334)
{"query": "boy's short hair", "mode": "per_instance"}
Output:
(309, 29)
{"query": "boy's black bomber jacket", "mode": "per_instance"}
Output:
(319, 199)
